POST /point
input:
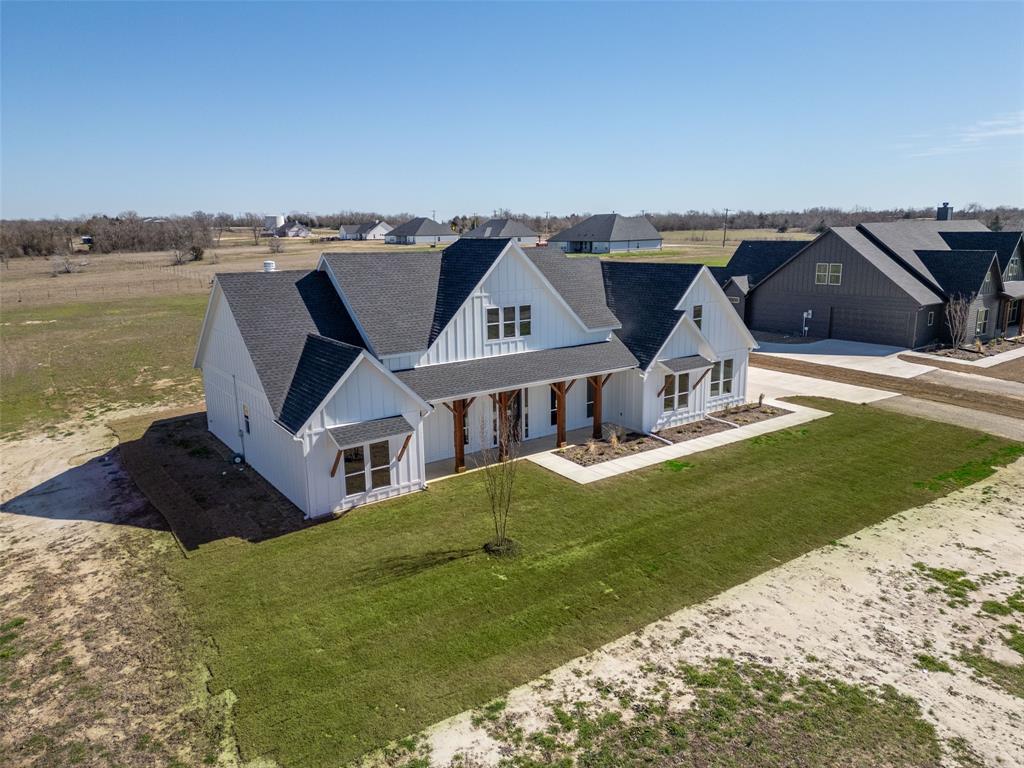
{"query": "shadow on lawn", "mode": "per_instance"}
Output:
(389, 568)
(189, 476)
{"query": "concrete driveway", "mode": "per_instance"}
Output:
(873, 358)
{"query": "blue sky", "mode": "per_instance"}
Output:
(465, 107)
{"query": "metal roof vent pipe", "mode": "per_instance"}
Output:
(944, 213)
(269, 266)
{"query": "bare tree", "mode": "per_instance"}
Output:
(499, 464)
(254, 222)
(221, 222)
(958, 310)
(276, 246)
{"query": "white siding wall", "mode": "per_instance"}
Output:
(623, 400)
(513, 282)
(268, 447)
(631, 245)
(365, 395)
(717, 326)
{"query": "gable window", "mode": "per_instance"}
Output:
(1013, 268)
(493, 323)
(931, 319)
(828, 274)
(245, 417)
(509, 322)
(676, 393)
(590, 399)
(982, 322)
(988, 281)
(721, 378)
(734, 299)
(525, 324)
(698, 314)
(361, 475)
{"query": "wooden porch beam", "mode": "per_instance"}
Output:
(458, 410)
(559, 389)
(598, 385)
(337, 461)
(405, 445)
(697, 383)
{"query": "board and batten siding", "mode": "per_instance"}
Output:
(987, 298)
(227, 368)
(867, 306)
(366, 394)
(513, 281)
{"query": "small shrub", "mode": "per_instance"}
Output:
(932, 664)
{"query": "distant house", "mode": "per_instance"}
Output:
(510, 228)
(292, 229)
(882, 283)
(609, 232)
(370, 230)
(420, 231)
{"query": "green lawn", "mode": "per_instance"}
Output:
(343, 636)
(80, 360)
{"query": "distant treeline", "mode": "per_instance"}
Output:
(129, 231)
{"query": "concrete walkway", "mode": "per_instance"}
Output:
(856, 355)
(780, 384)
(985, 362)
(580, 474)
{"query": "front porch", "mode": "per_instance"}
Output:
(445, 468)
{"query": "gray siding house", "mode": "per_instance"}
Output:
(420, 231)
(607, 233)
(883, 283)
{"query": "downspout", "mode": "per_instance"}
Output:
(238, 423)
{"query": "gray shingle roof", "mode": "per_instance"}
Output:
(644, 296)
(501, 228)
(321, 365)
(903, 238)
(420, 227)
(502, 372)
(1003, 243)
(403, 301)
(580, 283)
(359, 229)
(609, 227)
(368, 431)
(275, 313)
(959, 273)
(896, 272)
(683, 364)
(1014, 289)
(757, 258)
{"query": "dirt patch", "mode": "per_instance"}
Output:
(597, 451)
(989, 348)
(99, 663)
(1012, 370)
(693, 429)
(906, 620)
(191, 478)
(751, 413)
(943, 393)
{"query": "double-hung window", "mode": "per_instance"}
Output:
(698, 314)
(509, 322)
(721, 378)
(361, 475)
(676, 394)
(982, 322)
(828, 274)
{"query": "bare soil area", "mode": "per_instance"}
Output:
(693, 429)
(596, 451)
(1009, 371)
(97, 658)
(964, 397)
(751, 413)
(899, 645)
(989, 348)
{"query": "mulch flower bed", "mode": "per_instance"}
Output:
(988, 349)
(692, 430)
(596, 451)
(751, 413)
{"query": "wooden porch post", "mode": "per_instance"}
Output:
(559, 389)
(503, 425)
(458, 419)
(595, 382)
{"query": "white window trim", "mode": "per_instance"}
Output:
(720, 381)
(518, 321)
(367, 471)
(981, 321)
(682, 391)
(931, 319)
(831, 269)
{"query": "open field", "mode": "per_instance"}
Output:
(340, 637)
(29, 282)
(78, 361)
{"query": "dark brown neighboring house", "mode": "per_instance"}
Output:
(883, 283)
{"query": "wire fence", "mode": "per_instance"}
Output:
(183, 281)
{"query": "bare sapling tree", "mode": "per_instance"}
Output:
(958, 311)
(498, 462)
(255, 224)
(275, 244)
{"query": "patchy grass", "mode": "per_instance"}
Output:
(742, 715)
(931, 664)
(345, 636)
(953, 582)
(80, 360)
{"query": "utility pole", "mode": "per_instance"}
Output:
(433, 214)
(725, 226)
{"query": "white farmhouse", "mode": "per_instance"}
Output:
(500, 228)
(370, 230)
(342, 384)
(608, 232)
(420, 231)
